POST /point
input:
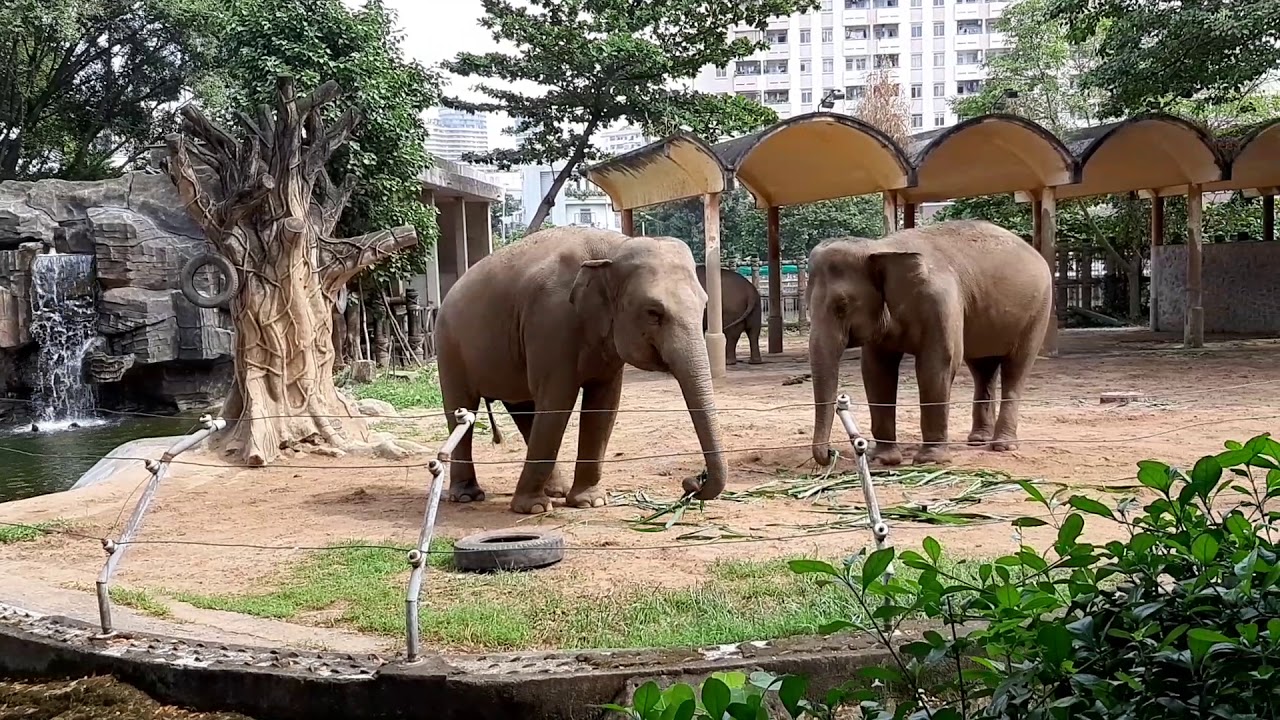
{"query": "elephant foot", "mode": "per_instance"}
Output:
(887, 455)
(589, 497)
(979, 437)
(933, 455)
(557, 486)
(530, 504)
(1004, 444)
(756, 361)
(731, 361)
(465, 492)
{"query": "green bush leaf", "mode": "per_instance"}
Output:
(683, 711)
(715, 697)
(875, 565)
(1028, 522)
(792, 693)
(1155, 475)
(677, 694)
(932, 548)
(1205, 475)
(1070, 531)
(1055, 643)
(883, 674)
(1199, 640)
(646, 698)
(836, 626)
(802, 567)
(1204, 549)
(1091, 506)
(1033, 492)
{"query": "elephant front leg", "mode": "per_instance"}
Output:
(599, 412)
(935, 374)
(540, 460)
(880, 378)
(523, 414)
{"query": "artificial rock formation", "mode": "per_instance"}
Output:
(155, 348)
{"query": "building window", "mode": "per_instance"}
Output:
(775, 67)
(968, 87)
(747, 67)
(777, 97)
(828, 65)
(886, 61)
(585, 217)
(917, 30)
(939, 120)
(826, 5)
(806, 67)
(855, 92)
(806, 37)
(969, 57)
(855, 32)
(939, 3)
(886, 3)
(939, 59)
(917, 121)
(828, 35)
(750, 94)
(722, 72)
(917, 90)
(916, 3)
(855, 4)
(939, 29)
(777, 37)
(917, 60)
(855, 63)
(939, 89)
(969, 27)
(806, 97)
(887, 31)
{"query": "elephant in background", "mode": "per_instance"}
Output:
(962, 291)
(560, 312)
(741, 312)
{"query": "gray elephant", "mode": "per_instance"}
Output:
(740, 313)
(963, 291)
(560, 312)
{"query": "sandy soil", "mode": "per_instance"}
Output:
(1068, 437)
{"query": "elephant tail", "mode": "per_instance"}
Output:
(753, 307)
(494, 431)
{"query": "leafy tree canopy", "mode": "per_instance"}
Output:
(1153, 54)
(320, 40)
(598, 62)
(86, 84)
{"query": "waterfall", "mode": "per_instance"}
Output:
(63, 325)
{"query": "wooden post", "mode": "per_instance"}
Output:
(755, 273)
(802, 283)
(1049, 251)
(775, 282)
(890, 212)
(1193, 331)
(715, 302)
(628, 223)
(1157, 240)
(1037, 229)
(1269, 218)
(908, 215)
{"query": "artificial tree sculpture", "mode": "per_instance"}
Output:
(271, 213)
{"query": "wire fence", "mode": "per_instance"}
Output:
(438, 467)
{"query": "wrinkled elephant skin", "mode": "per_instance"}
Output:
(561, 312)
(956, 292)
(740, 313)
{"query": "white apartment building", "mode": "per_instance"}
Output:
(579, 203)
(620, 140)
(934, 47)
(450, 133)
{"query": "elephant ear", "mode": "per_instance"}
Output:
(897, 274)
(590, 297)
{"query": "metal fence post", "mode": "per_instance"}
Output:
(116, 548)
(418, 557)
(879, 528)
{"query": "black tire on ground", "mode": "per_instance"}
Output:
(513, 549)
(199, 299)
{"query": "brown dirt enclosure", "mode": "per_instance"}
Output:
(774, 505)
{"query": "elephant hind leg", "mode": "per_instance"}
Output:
(753, 337)
(731, 337)
(522, 414)
(463, 485)
(984, 403)
(1013, 377)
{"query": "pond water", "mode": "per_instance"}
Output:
(37, 463)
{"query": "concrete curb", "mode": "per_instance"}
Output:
(285, 684)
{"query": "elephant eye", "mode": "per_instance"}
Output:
(654, 314)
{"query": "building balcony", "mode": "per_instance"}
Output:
(888, 46)
(968, 11)
(857, 47)
(970, 72)
(970, 42)
(887, 15)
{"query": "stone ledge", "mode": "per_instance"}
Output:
(296, 684)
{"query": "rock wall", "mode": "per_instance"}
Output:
(1240, 290)
(152, 340)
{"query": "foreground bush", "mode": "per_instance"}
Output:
(1181, 620)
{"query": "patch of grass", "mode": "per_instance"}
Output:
(90, 698)
(738, 600)
(422, 390)
(140, 600)
(31, 531)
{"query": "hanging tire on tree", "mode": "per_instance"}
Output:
(188, 281)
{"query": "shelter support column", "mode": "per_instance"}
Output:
(890, 212)
(628, 223)
(1048, 215)
(1193, 331)
(715, 302)
(775, 282)
(908, 215)
(461, 262)
(1157, 240)
(1269, 218)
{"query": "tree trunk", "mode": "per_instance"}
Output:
(549, 200)
(268, 221)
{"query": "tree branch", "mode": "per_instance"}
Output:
(195, 124)
(341, 259)
(193, 196)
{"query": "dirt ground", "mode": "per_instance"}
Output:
(1067, 437)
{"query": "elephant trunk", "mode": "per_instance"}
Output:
(687, 360)
(825, 348)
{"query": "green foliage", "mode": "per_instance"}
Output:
(734, 695)
(600, 62)
(422, 390)
(86, 81)
(742, 225)
(320, 40)
(27, 533)
(1156, 55)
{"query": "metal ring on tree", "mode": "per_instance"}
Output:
(224, 266)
